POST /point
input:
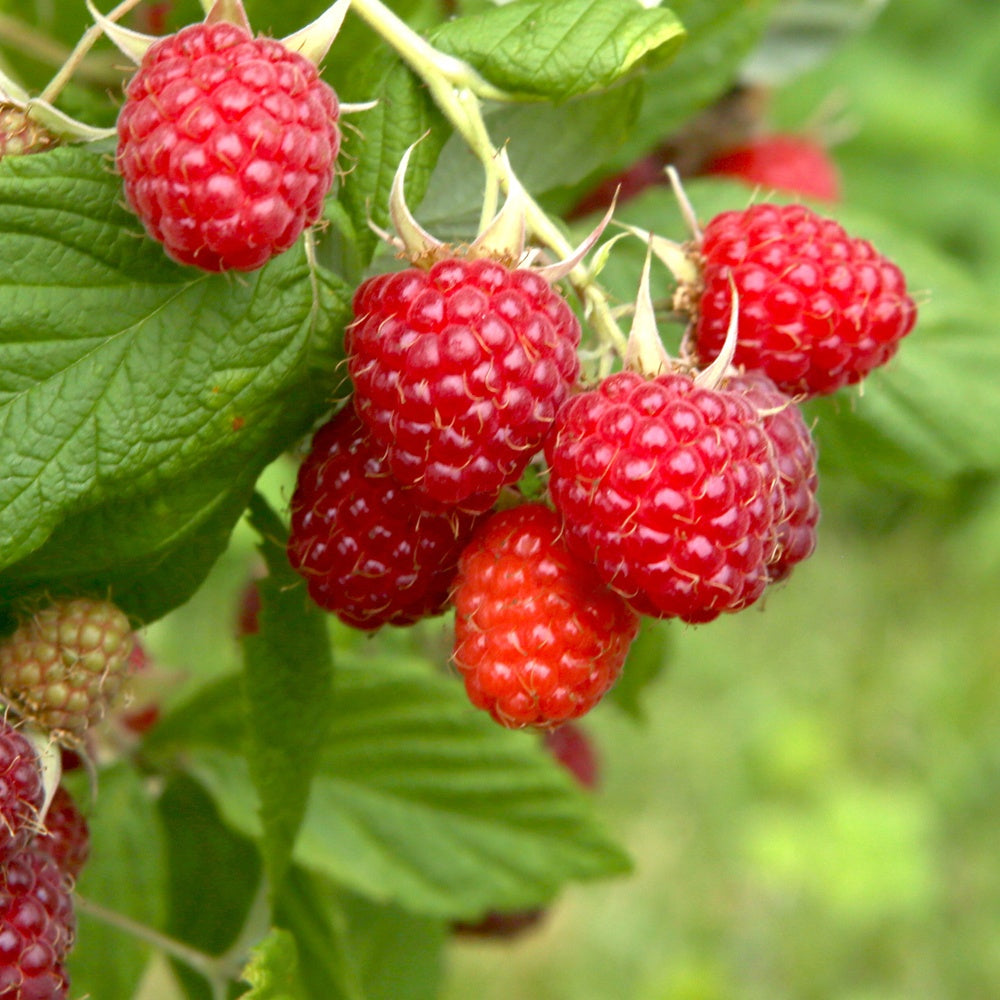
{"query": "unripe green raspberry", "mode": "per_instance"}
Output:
(65, 664)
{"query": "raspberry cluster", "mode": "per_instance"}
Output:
(40, 858)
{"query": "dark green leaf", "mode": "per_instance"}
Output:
(138, 399)
(561, 48)
(647, 659)
(126, 872)
(288, 673)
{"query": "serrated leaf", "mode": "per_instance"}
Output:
(273, 969)
(558, 49)
(404, 113)
(138, 398)
(287, 680)
(126, 872)
(418, 799)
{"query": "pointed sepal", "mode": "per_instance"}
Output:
(229, 12)
(674, 256)
(314, 40)
(133, 44)
(504, 236)
(413, 238)
(644, 351)
(50, 763)
(557, 271)
(712, 376)
(49, 117)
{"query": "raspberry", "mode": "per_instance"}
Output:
(538, 639)
(818, 310)
(21, 790)
(37, 927)
(571, 746)
(790, 163)
(226, 144)
(373, 552)
(65, 664)
(20, 134)
(66, 836)
(795, 454)
(667, 488)
(458, 373)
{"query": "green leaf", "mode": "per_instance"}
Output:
(288, 673)
(647, 660)
(138, 399)
(419, 800)
(273, 970)
(562, 48)
(125, 873)
(404, 113)
(199, 848)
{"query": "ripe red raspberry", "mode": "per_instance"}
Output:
(226, 144)
(66, 664)
(667, 488)
(791, 163)
(538, 639)
(21, 790)
(818, 309)
(37, 927)
(458, 373)
(373, 551)
(66, 836)
(795, 454)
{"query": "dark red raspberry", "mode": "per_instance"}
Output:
(795, 454)
(538, 639)
(667, 488)
(571, 746)
(818, 309)
(373, 552)
(21, 790)
(226, 143)
(37, 927)
(458, 373)
(66, 836)
(791, 163)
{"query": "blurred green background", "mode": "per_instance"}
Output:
(813, 803)
(813, 800)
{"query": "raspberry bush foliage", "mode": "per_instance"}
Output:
(314, 803)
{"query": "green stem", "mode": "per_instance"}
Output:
(213, 969)
(17, 35)
(457, 89)
(86, 43)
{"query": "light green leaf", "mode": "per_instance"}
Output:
(288, 673)
(126, 872)
(561, 48)
(273, 970)
(138, 398)
(419, 799)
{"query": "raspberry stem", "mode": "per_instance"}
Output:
(89, 37)
(458, 89)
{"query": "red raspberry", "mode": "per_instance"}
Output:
(458, 373)
(667, 488)
(538, 639)
(818, 310)
(372, 551)
(795, 453)
(37, 927)
(571, 746)
(21, 790)
(66, 837)
(226, 143)
(66, 664)
(790, 163)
